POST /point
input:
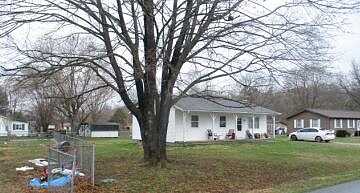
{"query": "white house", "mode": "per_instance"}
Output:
(16, 128)
(99, 130)
(191, 119)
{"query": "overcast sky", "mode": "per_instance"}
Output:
(347, 45)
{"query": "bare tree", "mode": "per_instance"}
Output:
(304, 85)
(4, 101)
(351, 85)
(147, 46)
(43, 108)
(78, 94)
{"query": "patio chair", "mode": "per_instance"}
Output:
(216, 136)
(249, 135)
(231, 134)
(209, 133)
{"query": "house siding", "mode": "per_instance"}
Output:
(180, 131)
(188, 133)
(3, 124)
(7, 123)
(325, 122)
(171, 132)
(307, 116)
(105, 134)
(345, 125)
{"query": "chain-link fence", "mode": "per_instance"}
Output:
(61, 169)
(83, 154)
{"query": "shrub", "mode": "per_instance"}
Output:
(342, 133)
(357, 133)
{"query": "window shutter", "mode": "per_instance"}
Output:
(354, 123)
(311, 123)
(319, 123)
(341, 123)
(295, 123)
(302, 123)
(335, 126)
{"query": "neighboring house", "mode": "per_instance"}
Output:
(16, 128)
(281, 128)
(65, 126)
(328, 119)
(99, 130)
(191, 118)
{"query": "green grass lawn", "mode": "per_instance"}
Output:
(278, 166)
(348, 139)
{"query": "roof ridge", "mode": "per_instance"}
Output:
(332, 109)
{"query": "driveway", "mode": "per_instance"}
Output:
(349, 187)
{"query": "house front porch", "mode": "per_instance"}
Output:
(213, 126)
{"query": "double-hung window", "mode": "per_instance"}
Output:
(222, 121)
(257, 123)
(239, 124)
(18, 126)
(338, 123)
(194, 121)
(299, 123)
(315, 123)
(351, 123)
(250, 123)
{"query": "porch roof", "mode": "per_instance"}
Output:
(220, 105)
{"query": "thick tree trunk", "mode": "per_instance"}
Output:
(153, 129)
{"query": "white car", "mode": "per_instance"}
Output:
(312, 134)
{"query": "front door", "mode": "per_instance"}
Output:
(239, 128)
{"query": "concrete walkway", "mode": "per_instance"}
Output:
(349, 187)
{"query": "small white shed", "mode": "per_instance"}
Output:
(99, 130)
(16, 128)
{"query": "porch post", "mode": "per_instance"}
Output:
(274, 125)
(213, 116)
(184, 125)
(253, 125)
(235, 130)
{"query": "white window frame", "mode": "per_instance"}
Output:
(348, 123)
(335, 125)
(18, 127)
(191, 121)
(237, 123)
(296, 121)
(220, 125)
(312, 123)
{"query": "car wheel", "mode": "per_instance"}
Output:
(293, 138)
(318, 139)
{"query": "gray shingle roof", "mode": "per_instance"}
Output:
(219, 105)
(336, 113)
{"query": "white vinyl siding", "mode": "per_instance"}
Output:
(338, 123)
(104, 134)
